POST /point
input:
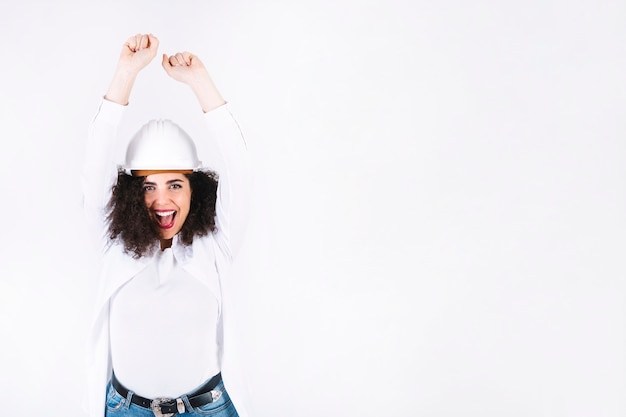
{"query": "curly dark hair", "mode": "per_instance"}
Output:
(130, 221)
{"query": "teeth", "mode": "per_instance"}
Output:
(164, 213)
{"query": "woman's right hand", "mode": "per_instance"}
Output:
(137, 52)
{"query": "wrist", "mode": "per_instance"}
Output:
(121, 86)
(207, 94)
(126, 72)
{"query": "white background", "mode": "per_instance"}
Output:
(438, 223)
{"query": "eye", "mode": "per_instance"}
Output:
(147, 188)
(176, 186)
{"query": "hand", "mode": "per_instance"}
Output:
(188, 69)
(137, 52)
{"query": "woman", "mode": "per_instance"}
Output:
(167, 233)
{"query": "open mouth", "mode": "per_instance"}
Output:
(165, 218)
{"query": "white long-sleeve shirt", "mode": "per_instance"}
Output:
(164, 330)
(207, 260)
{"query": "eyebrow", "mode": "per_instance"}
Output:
(168, 182)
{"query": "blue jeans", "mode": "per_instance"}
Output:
(118, 406)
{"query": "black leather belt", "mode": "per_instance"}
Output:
(163, 407)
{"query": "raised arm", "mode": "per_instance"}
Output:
(233, 192)
(188, 69)
(136, 53)
(99, 169)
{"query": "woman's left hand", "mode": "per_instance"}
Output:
(188, 69)
(185, 67)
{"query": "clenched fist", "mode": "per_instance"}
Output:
(188, 69)
(137, 52)
(184, 67)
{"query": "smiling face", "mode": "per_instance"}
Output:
(168, 199)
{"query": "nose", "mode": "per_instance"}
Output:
(162, 197)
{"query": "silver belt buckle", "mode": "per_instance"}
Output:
(155, 405)
(215, 395)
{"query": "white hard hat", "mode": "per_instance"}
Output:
(161, 145)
